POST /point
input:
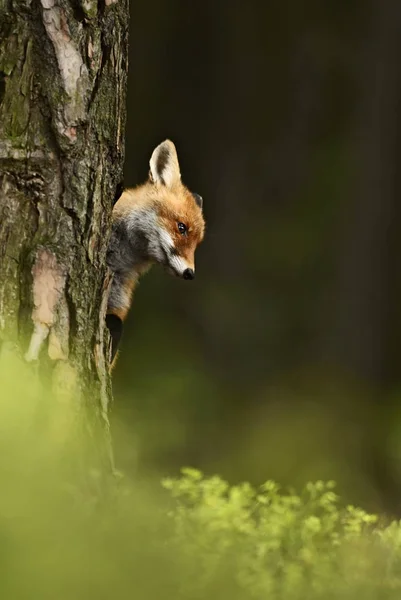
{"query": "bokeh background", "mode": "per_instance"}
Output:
(282, 359)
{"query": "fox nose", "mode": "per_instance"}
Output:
(188, 274)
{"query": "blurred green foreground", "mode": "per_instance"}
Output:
(66, 536)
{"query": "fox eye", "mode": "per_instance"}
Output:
(182, 228)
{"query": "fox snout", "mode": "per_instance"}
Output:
(189, 274)
(178, 266)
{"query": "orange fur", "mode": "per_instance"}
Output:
(176, 204)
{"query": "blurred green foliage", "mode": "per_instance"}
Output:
(277, 545)
(65, 532)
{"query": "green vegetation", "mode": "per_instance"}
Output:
(277, 545)
(194, 537)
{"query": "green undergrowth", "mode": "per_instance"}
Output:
(193, 537)
(283, 545)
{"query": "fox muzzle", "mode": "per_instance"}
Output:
(189, 274)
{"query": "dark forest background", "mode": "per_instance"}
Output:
(281, 360)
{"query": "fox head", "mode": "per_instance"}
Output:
(165, 220)
(179, 219)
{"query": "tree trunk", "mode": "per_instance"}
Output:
(63, 72)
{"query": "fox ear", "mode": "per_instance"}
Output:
(198, 199)
(164, 167)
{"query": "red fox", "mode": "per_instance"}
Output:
(160, 221)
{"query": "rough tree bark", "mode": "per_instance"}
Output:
(63, 72)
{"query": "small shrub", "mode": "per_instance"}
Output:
(282, 546)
